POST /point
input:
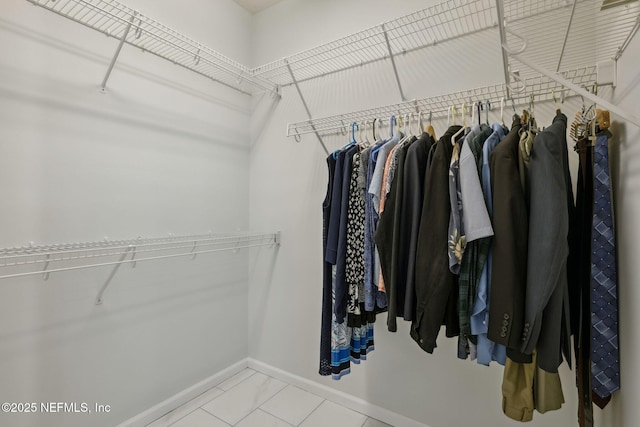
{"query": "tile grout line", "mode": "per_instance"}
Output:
(291, 385)
(310, 413)
(214, 416)
(193, 410)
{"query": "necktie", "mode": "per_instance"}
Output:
(605, 361)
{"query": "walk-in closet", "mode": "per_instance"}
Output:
(319, 213)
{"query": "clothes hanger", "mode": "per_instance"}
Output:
(555, 101)
(464, 124)
(502, 111)
(392, 119)
(363, 133)
(454, 113)
(409, 132)
(354, 127)
(429, 129)
(474, 106)
(487, 108)
(533, 126)
(373, 129)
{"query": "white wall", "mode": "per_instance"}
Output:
(165, 151)
(288, 183)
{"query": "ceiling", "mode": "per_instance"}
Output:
(255, 6)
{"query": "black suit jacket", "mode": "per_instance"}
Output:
(509, 263)
(435, 291)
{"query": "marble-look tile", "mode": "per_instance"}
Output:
(239, 401)
(260, 418)
(372, 422)
(187, 408)
(292, 404)
(236, 379)
(332, 414)
(199, 418)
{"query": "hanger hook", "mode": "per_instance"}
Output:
(354, 126)
(502, 110)
(487, 109)
(463, 114)
(517, 79)
(420, 122)
(430, 116)
(392, 121)
(373, 129)
(474, 106)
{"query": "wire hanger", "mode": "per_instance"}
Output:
(502, 111)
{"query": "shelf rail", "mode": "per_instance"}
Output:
(116, 20)
(543, 89)
(46, 259)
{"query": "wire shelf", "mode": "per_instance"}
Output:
(437, 24)
(45, 259)
(115, 20)
(569, 34)
(542, 88)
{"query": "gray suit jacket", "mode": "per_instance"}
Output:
(546, 325)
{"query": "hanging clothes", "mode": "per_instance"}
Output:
(413, 189)
(327, 276)
(388, 236)
(487, 350)
(595, 321)
(546, 317)
(436, 293)
(509, 247)
(478, 230)
(479, 234)
(528, 386)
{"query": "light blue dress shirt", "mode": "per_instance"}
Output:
(487, 350)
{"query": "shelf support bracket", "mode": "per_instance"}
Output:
(580, 91)
(103, 85)
(503, 42)
(306, 107)
(566, 35)
(113, 273)
(393, 63)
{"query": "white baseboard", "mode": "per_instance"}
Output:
(336, 396)
(184, 396)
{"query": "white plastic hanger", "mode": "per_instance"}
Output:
(464, 124)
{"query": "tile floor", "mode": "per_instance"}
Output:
(252, 399)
